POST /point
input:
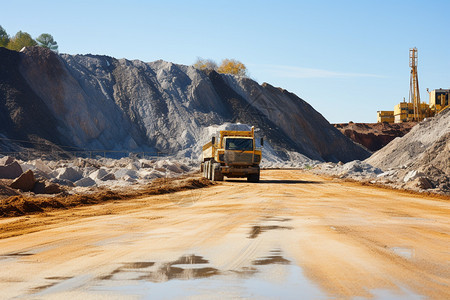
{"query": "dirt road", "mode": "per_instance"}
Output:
(292, 236)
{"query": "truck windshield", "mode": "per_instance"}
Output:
(239, 144)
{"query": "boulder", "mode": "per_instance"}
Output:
(125, 172)
(69, 173)
(62, 182)
(10, 171)
(6, 160)
(41, 166)
(24, 182)
(108, 176)
(174, 168)
(45, 187)
(424, 183)
(146, 163)
(145, 174)
(98, 174)
(411, 175)
(128, 179)
(39, 187)
(53, 188)
(85, 182)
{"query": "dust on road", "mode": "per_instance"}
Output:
(292, 235)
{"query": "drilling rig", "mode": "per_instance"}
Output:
(414, 95)
(414, 110)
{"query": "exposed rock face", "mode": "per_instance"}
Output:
(374, 136)
(99, 102)
(23, 114)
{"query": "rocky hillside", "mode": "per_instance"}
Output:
(374, 136)
(103, 103)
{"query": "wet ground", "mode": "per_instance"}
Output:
(292, 236)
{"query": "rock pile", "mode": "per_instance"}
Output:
(79, 174)
(421, 159)
(356, 170)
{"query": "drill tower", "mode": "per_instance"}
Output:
(414, 95)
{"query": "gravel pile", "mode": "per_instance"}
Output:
(82, 175)
(420, 160)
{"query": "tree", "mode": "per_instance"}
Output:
(20, 40)
(46, 40)
(4, 37)
(205, 64)
(232, 66)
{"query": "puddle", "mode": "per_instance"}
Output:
(61, 284)
(138, 265)
(184, 268)
(268, 277)
(405, 252)
(274, 258)
(257, 229)
(55, 281)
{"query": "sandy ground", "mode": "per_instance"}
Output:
(294, 235)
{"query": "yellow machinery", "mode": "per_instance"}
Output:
(235, 155)
(439, 99)
(407, 112)
(385, 116)
(414, 110)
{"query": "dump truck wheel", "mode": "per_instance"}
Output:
(205, 168)
(253, 177)
(216, 174)
(208, 170)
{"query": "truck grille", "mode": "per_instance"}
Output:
(238, 158)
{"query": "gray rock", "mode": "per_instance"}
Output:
(126, 172)
(6, 160)
(62, 182)
(425, 183)
(10, 171)
(85, 182)
(69, 174)
(412, 175)
(98, 174)
(108, 176)
(128, 179)
(24, 182)
(45, 187)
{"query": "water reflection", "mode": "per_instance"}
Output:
(271, 276)
(256, 230)
(274, 258)
(185, 267)
(53, 281)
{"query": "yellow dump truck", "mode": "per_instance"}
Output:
(233, 155)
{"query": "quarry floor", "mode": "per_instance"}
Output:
(294, 235)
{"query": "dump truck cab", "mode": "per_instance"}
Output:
(233, 155)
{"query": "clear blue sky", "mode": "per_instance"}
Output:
(348, 59)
